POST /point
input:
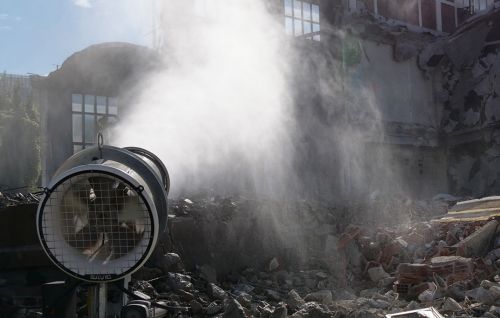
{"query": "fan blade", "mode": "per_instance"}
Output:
(131, 213)
(91, 251)
(74, 211)
(101, 250)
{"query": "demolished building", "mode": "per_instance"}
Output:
(400, 88)
(373, 84)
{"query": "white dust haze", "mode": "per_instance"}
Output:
(219, 114)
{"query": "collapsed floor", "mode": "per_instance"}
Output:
(339, 270)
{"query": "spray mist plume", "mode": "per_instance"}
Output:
(219, 114)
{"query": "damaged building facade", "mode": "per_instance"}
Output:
(382, 108)
(399, 102)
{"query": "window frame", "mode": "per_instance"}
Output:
(293, 18)
(83, 111)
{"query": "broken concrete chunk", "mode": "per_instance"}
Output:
(451, 304)
(487, 284)
(170, 262)
(216, 292)
(324, 297)
(213, 308)
(178, 281)
(273, 265)
(245, 300)
(294, 301)
(427, 296)
(233, 309)
(377, 273)
(481, 295)
(280, 312)
(495, 292)
(477, 243)
(315, 310)
(494, 310)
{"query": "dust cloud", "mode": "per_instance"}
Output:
(219, 115)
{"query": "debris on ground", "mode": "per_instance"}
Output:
(8, 199)
(439, 267)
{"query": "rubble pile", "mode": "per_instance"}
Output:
(367, 271)
(16, 198)
(229, 233)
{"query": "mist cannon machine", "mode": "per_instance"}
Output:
(102, 213)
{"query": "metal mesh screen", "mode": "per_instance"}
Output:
(95, 223)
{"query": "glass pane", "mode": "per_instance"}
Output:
(288, 7)
(77, 128)
(307, 27)
(101, 104)
(77, 148)
(90, 131)
(315, 13)
(113, 101)
(89, 103)
(289, 26)
(77, 102)
(297, 24)
(316, 27)
(306, 10)
(297, 9)
(113, 106)
(113, 110)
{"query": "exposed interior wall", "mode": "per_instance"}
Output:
(369, 124)
(400, 90)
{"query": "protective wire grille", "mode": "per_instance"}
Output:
(96, 224)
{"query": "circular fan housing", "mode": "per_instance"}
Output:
(100, 221)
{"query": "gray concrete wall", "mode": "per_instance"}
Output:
(399, 90)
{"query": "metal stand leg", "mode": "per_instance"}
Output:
(103, 299)
(126, 281)
(98, 300)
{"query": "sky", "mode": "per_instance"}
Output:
(38, 35)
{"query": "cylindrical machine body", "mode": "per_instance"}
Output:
(103, 211)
